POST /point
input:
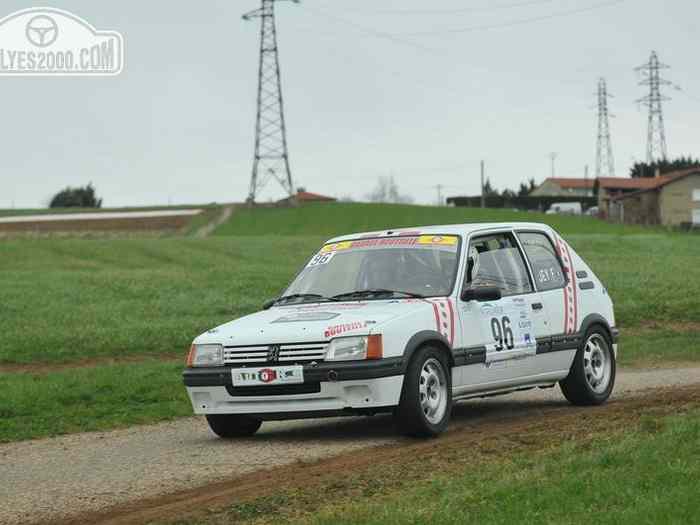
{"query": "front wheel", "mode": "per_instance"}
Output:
(426, 398)
(592, 375)
(233, 425)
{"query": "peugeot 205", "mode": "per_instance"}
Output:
(407, 322)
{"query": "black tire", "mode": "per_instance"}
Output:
(579, 386)
(233, 425)
(411, 417)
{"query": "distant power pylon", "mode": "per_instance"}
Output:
(656, 136)
(552, 159)
(604, 161)
(439, 187)
(271, 159)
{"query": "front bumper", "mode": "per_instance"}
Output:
(329, 388)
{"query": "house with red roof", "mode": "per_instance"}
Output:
(608, 188)
(672, 199)
(564, 187)
(304, 197)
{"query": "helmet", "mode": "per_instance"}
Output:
(473, 267)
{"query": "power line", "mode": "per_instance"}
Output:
(512, 23)
(271, 157)
(483, 9)
(375, 33)
(604, 163)
(656, 135)
(691, 97)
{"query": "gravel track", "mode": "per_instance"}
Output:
(53, 479)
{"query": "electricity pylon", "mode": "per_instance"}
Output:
(271, 158)
(604, 160)
(656, 135)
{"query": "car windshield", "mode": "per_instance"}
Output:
(377, 268)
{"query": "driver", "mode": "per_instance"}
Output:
(472, 264)
(379, 270)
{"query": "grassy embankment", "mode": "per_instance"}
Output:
(11, 212)
(68, 302)
(327, 220)
(619, 470)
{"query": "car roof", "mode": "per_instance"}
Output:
(446, 229)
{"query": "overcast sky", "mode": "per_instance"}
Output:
(461, 80)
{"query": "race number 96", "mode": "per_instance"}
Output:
(502, 333)
(320, 258)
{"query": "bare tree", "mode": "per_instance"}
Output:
(387, 190)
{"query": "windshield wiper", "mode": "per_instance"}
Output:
(303, 296)
(375, 291)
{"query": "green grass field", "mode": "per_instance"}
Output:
(342, 218)
(86, 399)
(66, 300)
(69, 301)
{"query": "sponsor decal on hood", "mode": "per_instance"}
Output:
(333, 331)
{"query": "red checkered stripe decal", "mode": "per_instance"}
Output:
(444, 317)
(570, 299)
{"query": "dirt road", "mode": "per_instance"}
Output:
(56, 479)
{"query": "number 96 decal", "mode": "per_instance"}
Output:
(502, 333)
(320, 258)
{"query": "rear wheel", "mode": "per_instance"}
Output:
(426, 398)
(592, 376)
(233, 425)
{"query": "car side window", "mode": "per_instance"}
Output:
(546, 267)
(495, 260)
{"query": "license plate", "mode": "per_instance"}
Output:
(272, 375)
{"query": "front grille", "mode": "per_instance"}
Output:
(288, 353)
(274, 390)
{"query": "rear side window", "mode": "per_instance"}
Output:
(495, 260)
(546, 267)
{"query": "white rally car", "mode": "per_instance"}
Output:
(408, 321)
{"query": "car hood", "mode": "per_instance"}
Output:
(310, 322)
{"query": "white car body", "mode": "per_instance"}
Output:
(549, 330)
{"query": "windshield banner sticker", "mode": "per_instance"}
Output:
(442, 242)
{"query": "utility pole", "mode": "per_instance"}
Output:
(604, 161)
(656, 135)
(552, 158)
(271, 158)
(439, 187)
(483, 197)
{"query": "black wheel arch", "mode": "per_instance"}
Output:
(597, 319)
(423, 338)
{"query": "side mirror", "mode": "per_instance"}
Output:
(481, 293)
(268, 304)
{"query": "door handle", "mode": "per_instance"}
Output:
(537, 306)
